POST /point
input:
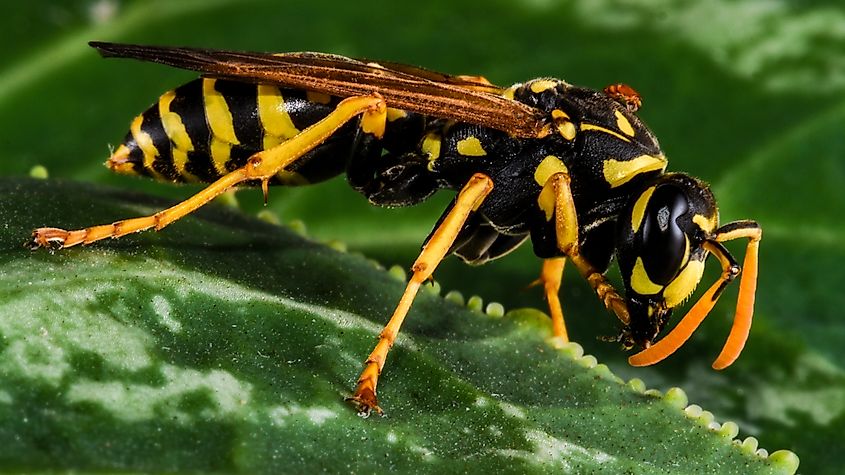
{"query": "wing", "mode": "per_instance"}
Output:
(404, 87)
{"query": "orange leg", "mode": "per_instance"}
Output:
(744, 307)
(566, 229)
(468, 200)
(261, 166)
(550, 277)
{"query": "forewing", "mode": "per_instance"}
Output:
(403, 87)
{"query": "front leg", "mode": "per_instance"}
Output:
(557, 201)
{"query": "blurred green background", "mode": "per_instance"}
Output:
(745, 95)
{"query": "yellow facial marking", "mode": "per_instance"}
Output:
(599, 128)
(619, 172)
(508, 93)
(682, 286)
(471, 147)
(707, 225)
(623, 124)
(217, 113)
(548, 167)
(318, 97)
(275, 119)
(541, 85)
(175, 129)
(394, 114)
(640, 281)
(639, 209)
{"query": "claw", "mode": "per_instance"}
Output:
(365, 403)
(50, 238)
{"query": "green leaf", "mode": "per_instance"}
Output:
(227, 344)
(746, 95)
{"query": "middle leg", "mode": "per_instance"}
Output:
(566, 231)
(467, 201)
(550, 278)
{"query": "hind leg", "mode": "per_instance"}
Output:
(262, 167)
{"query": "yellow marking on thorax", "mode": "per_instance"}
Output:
(548, 167)
(684, 284)
(565, 127)
(541, 85)
(431, 147)
(619, 172)
(623, 124)
(544, 171)
(640, 281)
(395, 114)
(558, 114)
(275, 119)
(145, 143)
(217, 113)
(175, 129)
(599, 128)
(708, 225)
(546, 201)
(318, 97)
(639, 208)
(471, 147)
(508, 93)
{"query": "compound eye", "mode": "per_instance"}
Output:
(664, 243)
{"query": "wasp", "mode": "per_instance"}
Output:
(571, 168)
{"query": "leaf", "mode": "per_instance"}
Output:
(227, 344)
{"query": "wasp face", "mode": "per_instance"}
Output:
(661, 250)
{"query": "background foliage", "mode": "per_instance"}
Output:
(746, 96)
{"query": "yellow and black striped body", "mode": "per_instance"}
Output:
(206, 128)
(572, 168)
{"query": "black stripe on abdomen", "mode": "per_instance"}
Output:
(189, 105)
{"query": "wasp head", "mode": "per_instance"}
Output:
(661, 251)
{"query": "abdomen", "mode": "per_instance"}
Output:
(206, 128)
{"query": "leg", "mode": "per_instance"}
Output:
(550, 277)
(433, 252)
(566, 229)
(745, 301)
(261, 166)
